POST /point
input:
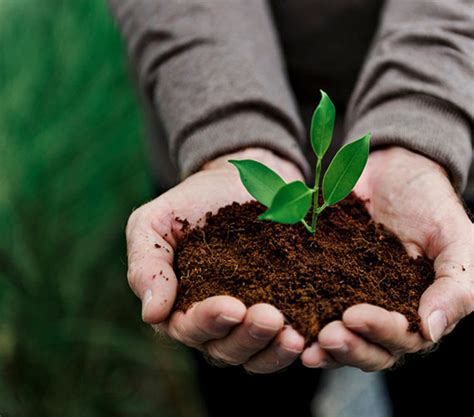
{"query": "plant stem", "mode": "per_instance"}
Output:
(308, 227)
(317, 174)
(320, 209)
(318, 212)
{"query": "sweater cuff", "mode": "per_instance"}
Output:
(422, 124)
(238, 131)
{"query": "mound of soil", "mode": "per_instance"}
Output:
(311, 279)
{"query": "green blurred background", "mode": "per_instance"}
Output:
(72, 168)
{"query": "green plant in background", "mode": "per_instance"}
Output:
(72, 167)
(290, 203)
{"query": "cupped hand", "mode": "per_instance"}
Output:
(220, 326)
(413, 197)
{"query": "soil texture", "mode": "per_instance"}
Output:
(311, 279)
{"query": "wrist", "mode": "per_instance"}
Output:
(402, 157)
(403, 172)
(398, 169)
(285, 168)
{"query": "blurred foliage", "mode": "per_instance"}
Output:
(71, 169)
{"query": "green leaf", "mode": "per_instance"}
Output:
(345, 169)
(290, 205)
(322, 125)
(260, 181)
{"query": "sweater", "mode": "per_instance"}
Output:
(220, 75)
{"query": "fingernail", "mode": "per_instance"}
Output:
(363, 328)
(262, 332)
(340, 348)
(322, 364)
(227, 320)
(291, 351)
(437, 324)
(147, 297)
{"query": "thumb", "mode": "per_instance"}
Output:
(150, 250)
(451, 296)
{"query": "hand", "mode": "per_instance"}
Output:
(221, 326)
(412, 196)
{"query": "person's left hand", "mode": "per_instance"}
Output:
(412, 196)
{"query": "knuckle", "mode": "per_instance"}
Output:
(204, 331)
(173, 333)
(466, 298)
(385, 363)
(389, 362)
(133, 219)
(258, 367)
(217, 352)
(353, 345)
(401, 347)
(139, 220)
(179, 332)
(471, 297)
(411, 348)
(289, 351)
(407, 349)
(133, 277)
(251, 369)
(248, 346)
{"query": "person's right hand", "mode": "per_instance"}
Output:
(220, 326)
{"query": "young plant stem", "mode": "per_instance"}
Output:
(308, 227)
(317, 174)
(290, 203)
(318, 212)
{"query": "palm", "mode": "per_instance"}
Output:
(200, 193)
(413, 198)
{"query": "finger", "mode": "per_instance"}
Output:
(349, 349)
(150, 258)
(451, 296)
(284, 349)
(262, 323)
(316, 357)
(210, 319)
(442, 305)
(388, 329)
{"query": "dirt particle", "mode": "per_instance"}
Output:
(157, 246)
(184, 224)
(153, 276)
(463, 268)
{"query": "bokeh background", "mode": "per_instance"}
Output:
(72, 167)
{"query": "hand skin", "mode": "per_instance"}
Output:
(220, 326)
(412, 196)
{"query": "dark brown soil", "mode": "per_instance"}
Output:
(311, 279)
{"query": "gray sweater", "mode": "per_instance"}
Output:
(220, 75)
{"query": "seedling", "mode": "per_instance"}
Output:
(289, 203)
